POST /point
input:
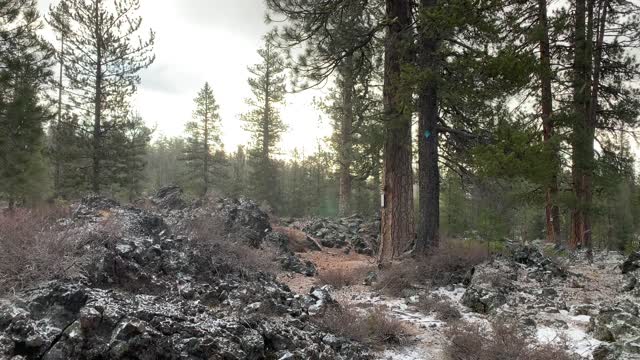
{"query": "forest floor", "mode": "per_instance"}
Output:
(591, 285)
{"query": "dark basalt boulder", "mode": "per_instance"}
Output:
(631, 264)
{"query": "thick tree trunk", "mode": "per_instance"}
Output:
(97, 120)
(346, 129)
(582, 138)
(397, 212)
(551, 209)
(429, 172)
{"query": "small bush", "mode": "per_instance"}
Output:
(443, 309)
(372, 327)
(503, 341)
(224, 252)
(449, 264)
(394, 280)
(297, 239)
(339, 278)
(34, 248)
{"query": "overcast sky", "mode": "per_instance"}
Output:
(214, 41)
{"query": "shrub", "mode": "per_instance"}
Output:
(447, 265)
(34, 248)
(394, 280)
(443, 309)
(297, 239)
(339, 278)
(371, 327)
(470, 341)
(224, 252)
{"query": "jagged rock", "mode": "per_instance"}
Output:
(540, 266)
(170, 198)
(291, 262)
(150, 294)
(320, 299)
(482, 300)
(351, 232)
(616, 322)
(630, 282)
(631, 264)
(279, 240)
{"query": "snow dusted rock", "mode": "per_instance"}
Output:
(170, 198)
(620, 325)
(631, 264)
(291, 262)
(350, 232)
(538, 265)
(321, 299)
(489, 287)
(150, 295)
(240, 218)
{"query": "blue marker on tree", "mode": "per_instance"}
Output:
(427, 134)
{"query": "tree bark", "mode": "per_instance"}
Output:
(97, 120)
(346, 129)
(57, 175)
(552, 210)
(583, 136)
(206, 150)
(397, 212)
(429, 172)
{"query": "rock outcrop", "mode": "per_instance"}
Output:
(148, 293)
(353, 233)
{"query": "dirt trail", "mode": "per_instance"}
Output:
(594, 284)
(427, 340)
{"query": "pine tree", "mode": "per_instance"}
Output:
(263, 122)
(604, 33)
(102, 59)
(204, 140)
(128, 148)
(237, 186)
(24, 70)
(165, 166)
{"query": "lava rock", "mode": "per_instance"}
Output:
(170, 198)
(291, 262)
(149, 293)
(631, 264)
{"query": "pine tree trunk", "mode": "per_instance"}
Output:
(57, 174)
(397, 213)
(346, 129)
(206, 151)
(429, 172)
(97, 121)
(582, 141)
(551, 208)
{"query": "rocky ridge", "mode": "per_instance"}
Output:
(148, 293)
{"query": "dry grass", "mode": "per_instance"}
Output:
(223, 252)
(374, 327)
(443, 309)
(297, 239)
(448, 265)
(34, 248)
(503, 342)
(339, 278)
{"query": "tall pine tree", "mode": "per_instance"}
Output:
(103, 57)
(203, 140)
(264, 122)
(24, 71)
